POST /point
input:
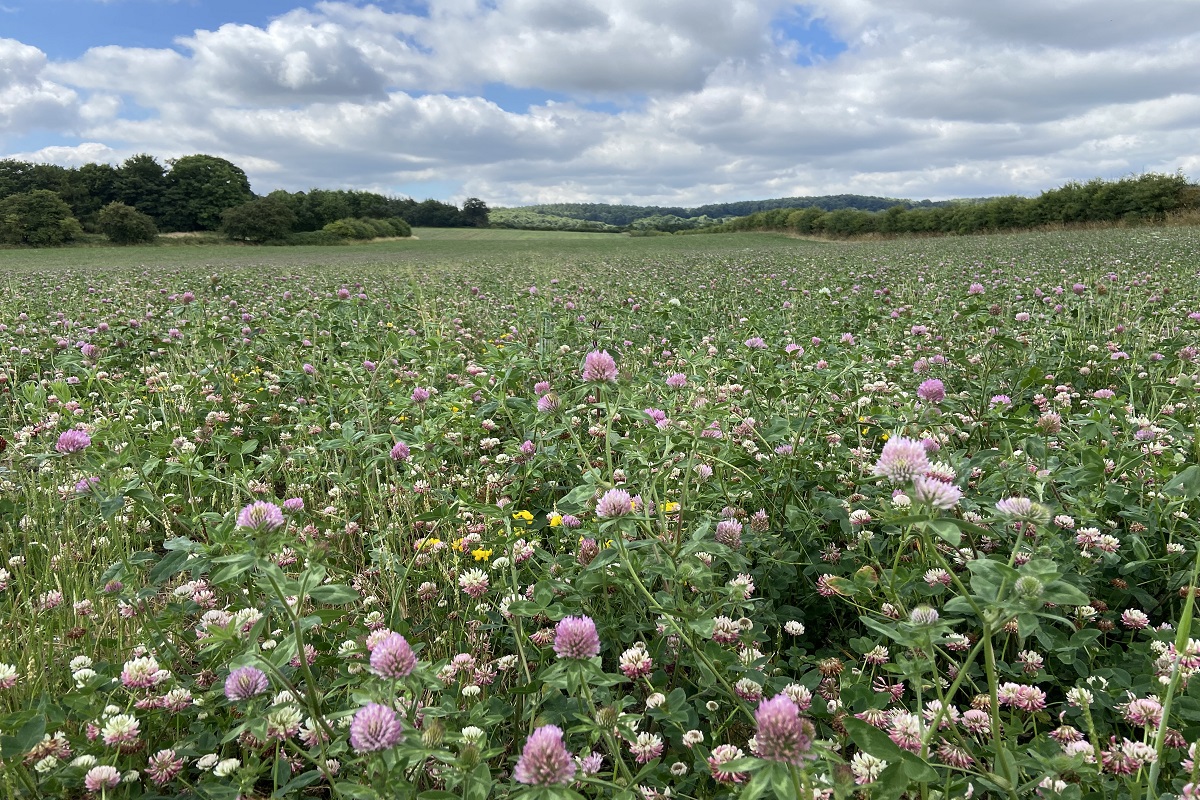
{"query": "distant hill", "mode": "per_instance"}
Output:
(609, 217)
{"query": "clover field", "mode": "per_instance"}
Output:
(561, 516)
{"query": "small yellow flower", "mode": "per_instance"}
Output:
(481, 554)
(555, 519)
(669, 507)
(885, 437)
(524, 516)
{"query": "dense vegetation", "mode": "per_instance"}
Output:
(673, 218)
(206, 193)
(1149, 198)
(193, 193)
(540, 516)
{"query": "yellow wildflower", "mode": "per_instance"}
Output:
(669, 507)
(481, 554)
(555, 519)
(524, 516)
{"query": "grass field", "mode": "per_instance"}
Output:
(547, 515)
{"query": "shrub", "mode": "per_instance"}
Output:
(363, 228)
(350, 228)
(265, 219)
(318, 238)
(39, 218)
(124, 224)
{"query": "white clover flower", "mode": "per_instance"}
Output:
(226, 767)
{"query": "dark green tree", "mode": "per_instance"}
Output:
(90, 188)
(39, 218)
(263, 220)
(199, 189)
(474, 213)
(323, 206)
(141, 182)
(435, 214)
(124, 224)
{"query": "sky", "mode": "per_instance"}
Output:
(663, 102)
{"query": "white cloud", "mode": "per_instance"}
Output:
(27, 100)
(930, 98)
(74, 155)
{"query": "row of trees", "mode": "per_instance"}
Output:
(679, 218)
(45, 204)
(1144, 198)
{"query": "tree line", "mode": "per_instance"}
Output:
(681, 218)
(46, 205)
(1147, 198)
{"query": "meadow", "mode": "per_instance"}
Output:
(529, 515)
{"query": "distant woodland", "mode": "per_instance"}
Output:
(46, 205)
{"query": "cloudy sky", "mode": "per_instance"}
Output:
(629, 101)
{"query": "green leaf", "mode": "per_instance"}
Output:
(1064, 594)
(234, 566)
(1186, 483)
(946, 531)
(871, 740)
(334, 594)
(355, 790)
(168, 566)
(299, 782)
(481, 783)
(26, 737)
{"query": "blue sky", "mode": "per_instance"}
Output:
(64, 29)
(678, 102)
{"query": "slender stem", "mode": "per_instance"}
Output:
(989, 656)
(1181, 645)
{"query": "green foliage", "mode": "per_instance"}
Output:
(526, 219)
(199, 189)
(124, 224)
(320, 238)
(1135, 200)
(141, 183)
(262, 220)
(963, 642)
(362, 228)
(435, 214)
(475, 213)
(38, 218)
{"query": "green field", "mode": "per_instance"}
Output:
(516, 514)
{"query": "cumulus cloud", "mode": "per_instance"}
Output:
(28, 101)
(673, 102)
